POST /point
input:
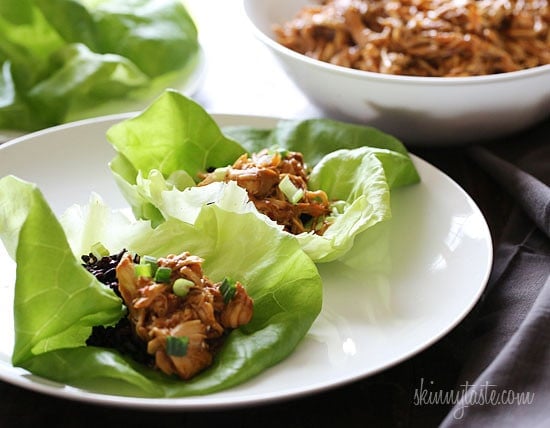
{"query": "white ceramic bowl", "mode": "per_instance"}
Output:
(423, 111)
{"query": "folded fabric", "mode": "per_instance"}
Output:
(506, 379)
(532, 194)
(514, 390)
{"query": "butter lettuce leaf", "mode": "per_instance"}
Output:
(62, 60)
(57, 301)
(175, 137)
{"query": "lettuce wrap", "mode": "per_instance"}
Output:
(57, 301)
(62, 60)
(162, 151)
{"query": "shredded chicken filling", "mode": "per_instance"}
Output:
(438, 38)
(180, 329)
(263, 174)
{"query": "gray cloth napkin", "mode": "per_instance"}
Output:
(505, 381)
(532, 194)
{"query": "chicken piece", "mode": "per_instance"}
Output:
(197, 353)
(128, 284)
(202, 302)
(258, 182)
(239, 309)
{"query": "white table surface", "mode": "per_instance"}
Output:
(241, 75)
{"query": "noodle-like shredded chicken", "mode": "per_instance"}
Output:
(261, 175)
(437, 38)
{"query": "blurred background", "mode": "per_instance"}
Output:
(241, 75)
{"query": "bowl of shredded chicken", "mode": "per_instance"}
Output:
(431, 72)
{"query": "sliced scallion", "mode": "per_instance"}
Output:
(143, 270)
(99, 250)
(177, 346)
(219, 173)
(228, 289)
(182, 286)
(297, 196)
(291, 192)
(151, 261)
(163, 274)
(278, 150)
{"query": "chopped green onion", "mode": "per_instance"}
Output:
(292, 193)
(228, 289)
(143, 270)
(151, 261)
(276, 149)
(148, 259)
(163, 274)
(219, 173)
(182, 286)
(177, 346)
(297, 196)
(99, 250)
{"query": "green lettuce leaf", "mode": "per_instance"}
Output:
(162, 151)
(63, 60)
(57, 301)
(317, 138)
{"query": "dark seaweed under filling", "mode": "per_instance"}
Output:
(121, 336)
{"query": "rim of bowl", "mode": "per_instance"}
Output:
(270, 42)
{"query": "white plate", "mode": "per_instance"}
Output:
(439, 258)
